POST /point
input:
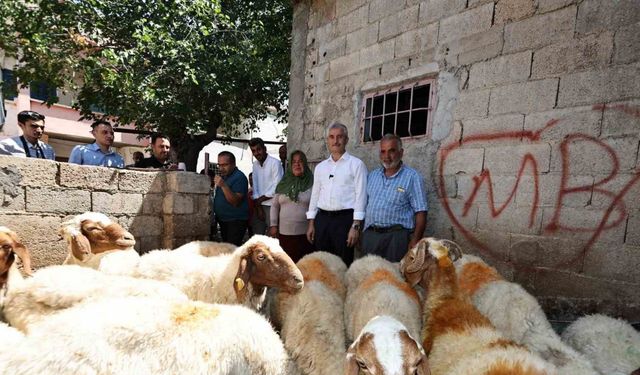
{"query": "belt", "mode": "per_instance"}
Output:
(393, 228)
(336, 213)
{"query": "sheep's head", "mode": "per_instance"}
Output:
(94, 233)
(384, 347)
(264, 264)
(10, 246)
(420, 261)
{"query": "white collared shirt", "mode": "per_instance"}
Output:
(339, 185)
(266, 178)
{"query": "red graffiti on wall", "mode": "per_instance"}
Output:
(555, 225)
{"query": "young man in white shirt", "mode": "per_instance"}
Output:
(267, 172)
(338, 198)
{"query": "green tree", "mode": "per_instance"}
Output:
(187, 68)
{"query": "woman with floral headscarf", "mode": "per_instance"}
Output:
(289, 207)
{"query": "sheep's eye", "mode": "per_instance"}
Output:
(361, 364)
(7, 247)
(261, 257)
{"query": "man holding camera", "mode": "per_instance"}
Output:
(230, 206)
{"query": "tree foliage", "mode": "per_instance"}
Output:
(187, 68)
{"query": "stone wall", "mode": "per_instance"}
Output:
(161, 209)
(532, 159)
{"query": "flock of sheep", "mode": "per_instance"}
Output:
(212, 308)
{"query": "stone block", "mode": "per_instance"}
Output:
(187, 182)
(604, 195)
(117, 203)
(332, 49)
(474, 190)
(580, 224)
(545, 6)
(347, 6)
(527, 34)
(606, 85)
(613, 263)
(345, 65)
(467, 23)
(143, 225)
(493, 125)
(526, 97)
(362, 38)
(57, 200)
(537, 251)
(323, 34)
(473, 48)
(517, 219)
(29, 171)
(501, 70)
(566, 284)
(435, 10)
(398, 23)
(418, 40)
(627, 42)
(12, 198)
(583, 120)
(376, 54)
(513, 10)
(507, 160)
(33, 229)
(442, 222)
(585, 156)
(141, 182)
(596, 16)
(185, 226)
(152, 204)
(548, 188)
(45, 254)
(592, 51)
(492, 247)
(352, 21)
(633, 229)
(621, 118)
(381, 8)
(203, 204)
(464, 160)
(88, 177)
(472, 104)
(149, 243)
(176, 203)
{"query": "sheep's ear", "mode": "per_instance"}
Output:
(80, 246)
(22, 252)
(351, 366)
(242, 279)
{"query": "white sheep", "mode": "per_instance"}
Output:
(376, 287)
(612, 345)
(311, 323)
(239, 277)
(385, 347)
(456, 336)
(56, 288)
(206, 248)
(517, 315)
(92, 238)
(137, 335)
(10, 276)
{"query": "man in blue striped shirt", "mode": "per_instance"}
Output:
(396, 214)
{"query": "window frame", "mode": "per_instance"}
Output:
(397, 88)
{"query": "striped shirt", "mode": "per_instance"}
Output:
(394, 200)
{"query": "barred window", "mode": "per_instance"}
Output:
(405, 111)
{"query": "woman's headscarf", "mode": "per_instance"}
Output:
(291, 185)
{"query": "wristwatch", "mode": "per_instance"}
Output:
(356, 226)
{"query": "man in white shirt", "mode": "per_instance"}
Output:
(267, 172)
(28, 144)
(338, 198)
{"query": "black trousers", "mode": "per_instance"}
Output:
(233, 231)
(331, 232)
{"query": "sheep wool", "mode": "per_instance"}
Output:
(136, 335)
(311, 321)
(612, 345)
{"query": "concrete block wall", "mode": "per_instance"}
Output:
(533, 158)
(161, 209)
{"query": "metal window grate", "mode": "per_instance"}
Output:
(405, 111)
